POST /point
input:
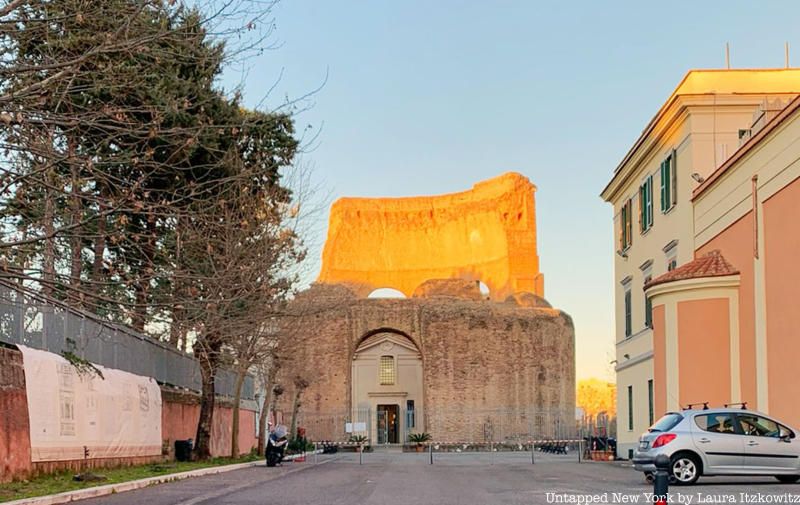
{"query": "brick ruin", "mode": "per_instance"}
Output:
(450, 360)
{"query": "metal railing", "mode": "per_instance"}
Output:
(27, 320)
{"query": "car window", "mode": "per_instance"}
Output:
(715, 423)
(667, 422)
(757, 426)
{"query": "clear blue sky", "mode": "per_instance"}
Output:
(427, 97)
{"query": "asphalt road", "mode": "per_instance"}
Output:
(463, 479)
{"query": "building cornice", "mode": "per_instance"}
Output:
(641, 358)
(700, 283)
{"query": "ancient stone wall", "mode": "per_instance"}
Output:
(485, 234)
(484, 362)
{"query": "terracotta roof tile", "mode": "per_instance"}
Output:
(712, 264)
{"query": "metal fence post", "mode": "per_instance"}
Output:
(430, 451)
(533, 461)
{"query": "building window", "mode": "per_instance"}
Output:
(630, 408)
(628, 322)
(646, 204)
(672, 264)
(410, 414)
(648, 307)
(669, 188)
(626, 225)
(386, 372)
(650, 401)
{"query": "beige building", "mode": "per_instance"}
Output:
(702, 123)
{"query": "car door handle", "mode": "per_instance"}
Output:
(752, 443)
(704, 440)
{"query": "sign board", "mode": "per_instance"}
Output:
(348, 428)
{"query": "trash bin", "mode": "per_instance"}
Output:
(183, 450)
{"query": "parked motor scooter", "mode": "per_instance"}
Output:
(276, 446)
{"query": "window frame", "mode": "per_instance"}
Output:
(669, 185)
(650, 401)
(628, 312)
(646, 205)
(737, 430)
(648, 306)
(626, 225)
(382, 380)
(780, 426)
(630, 407)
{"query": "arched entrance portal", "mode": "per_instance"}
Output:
(387, 387)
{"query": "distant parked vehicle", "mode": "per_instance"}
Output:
(723, 441)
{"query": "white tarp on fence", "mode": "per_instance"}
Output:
(70, 413)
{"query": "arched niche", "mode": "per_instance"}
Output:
(386, 387)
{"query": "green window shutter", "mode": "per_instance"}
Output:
(674, 176)
(664, 186)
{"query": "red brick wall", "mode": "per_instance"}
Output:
(179, 415)
(15, 443)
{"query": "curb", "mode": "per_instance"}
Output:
(121, 487)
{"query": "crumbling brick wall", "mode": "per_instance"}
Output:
(498, 364)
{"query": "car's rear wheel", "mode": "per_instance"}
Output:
(684, 469)
(788, 479)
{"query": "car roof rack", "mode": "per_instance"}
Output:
(691, 405)
(743, 405)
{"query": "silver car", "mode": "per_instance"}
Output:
(720, 442)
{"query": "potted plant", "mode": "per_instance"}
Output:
(358, 439)
(419, 439)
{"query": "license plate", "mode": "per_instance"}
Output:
(643, 444)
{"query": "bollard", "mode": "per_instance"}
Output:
(316, 453)
(533, 446)
(491, 449)
(661, 480)
(360, 453)
(580, 445)
(430, 450)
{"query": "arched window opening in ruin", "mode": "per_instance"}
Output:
(386, 293)
(484, 289)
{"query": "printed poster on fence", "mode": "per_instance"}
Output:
(74, 414)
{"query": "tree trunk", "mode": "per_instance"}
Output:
(99, 248)
(207, 354)
(76, 242)
(266, 408)
(295, 410)
(49, 255)
(237, 396)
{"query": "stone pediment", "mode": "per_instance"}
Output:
(383, 338)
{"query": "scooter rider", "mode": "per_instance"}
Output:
(276, 445)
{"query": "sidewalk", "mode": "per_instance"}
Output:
(121, 487)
